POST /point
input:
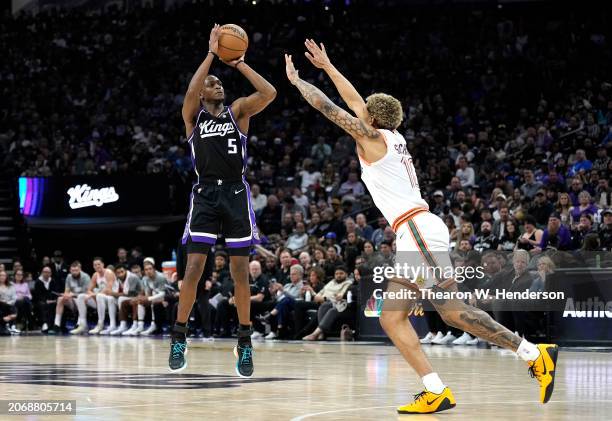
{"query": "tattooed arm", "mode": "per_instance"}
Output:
(358, 129)
(318, 57)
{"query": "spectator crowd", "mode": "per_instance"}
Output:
(508, 118)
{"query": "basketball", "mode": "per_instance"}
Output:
(233, 42)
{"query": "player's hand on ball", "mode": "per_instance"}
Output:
(292, 74)
(317, 55)
(213, 40)
(234, 63)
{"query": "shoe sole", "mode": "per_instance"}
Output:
(236, 366)
(553, 352)
(444, 406)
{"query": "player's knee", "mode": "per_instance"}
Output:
(390, 319)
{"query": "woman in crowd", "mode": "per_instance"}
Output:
(8, 312)
(531, 236)
(584, 206)
(24, 299)
(563, 206)
(509, 240)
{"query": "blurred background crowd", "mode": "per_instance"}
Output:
(508, 117)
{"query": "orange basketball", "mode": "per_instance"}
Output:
(233, 42)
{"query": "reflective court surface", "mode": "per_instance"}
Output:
(127, 378)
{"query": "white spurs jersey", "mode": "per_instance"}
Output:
(392, 181)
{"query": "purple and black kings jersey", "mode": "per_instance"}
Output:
(218, 147)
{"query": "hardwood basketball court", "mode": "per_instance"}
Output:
(127, 378)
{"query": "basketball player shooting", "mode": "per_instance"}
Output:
(422, 237)
(220, 199)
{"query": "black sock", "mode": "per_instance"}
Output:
(179, 332)
(244, 334)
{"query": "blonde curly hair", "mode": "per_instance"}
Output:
(386, 111)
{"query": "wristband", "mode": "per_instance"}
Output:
(213, 53)
(239, 61)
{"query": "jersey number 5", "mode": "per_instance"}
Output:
(414, 182)
(231, 146)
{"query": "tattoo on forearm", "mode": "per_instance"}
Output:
(337, 115)
(477, 322)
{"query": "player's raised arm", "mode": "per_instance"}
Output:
(191, 103)
(360, 130)
(245, 107)
(318, 57)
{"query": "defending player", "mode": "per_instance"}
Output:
(389, 174)
(220, 199)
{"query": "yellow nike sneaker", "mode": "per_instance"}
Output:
(427, 402)
(543, 369)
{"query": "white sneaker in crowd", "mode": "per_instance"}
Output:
(131, 330)
(427, 338)
(13, 329)
(122, 328)
(473, 341)
(96, 330)
(437, 338)
(256, 335)
(149, 330)
(447, 339)
(108, 330)
(271, 335)
(139, 329)
(462, 340)
(79, 330)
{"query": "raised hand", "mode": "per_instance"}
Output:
(213, 40)
(292, 74)
(317, 55)
(234, 63)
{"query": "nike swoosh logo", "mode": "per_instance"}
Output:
(429, 403)
(238, 191)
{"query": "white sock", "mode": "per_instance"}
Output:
(433, 383)
(528, 351)
(58, 319)
(123, 324)
(140, 323)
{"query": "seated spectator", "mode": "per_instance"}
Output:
(531, 236)
(530, 186)
(605, 230)
(509, 241)
(545, 267)
(465, 173)
(499, 226)
(580, 231)
(331, 298)
(298, 239)
(8, 311)
(77, 282)
(258, 199)
(304, 303)
(352, 186)
(563, 207)
(378, 234)
(261, 299)
(584, 206)
(556, 235)
(46, 292)
(154, 285)
(131, 295)
(285, 295)
(365, 230)
(581, 164)
(466, 233)
(332, 261)
(603, 193)
(102, 281)
(486, 240)
(541, 208)
(24, 300)
(108, 286)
